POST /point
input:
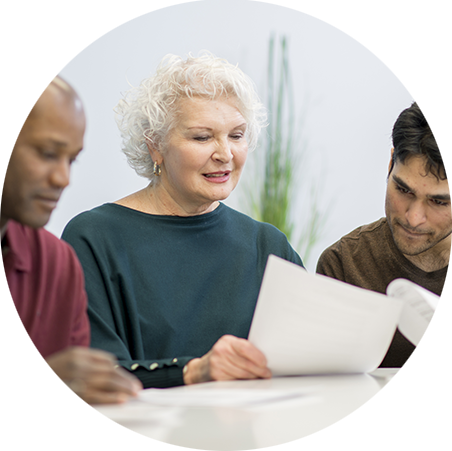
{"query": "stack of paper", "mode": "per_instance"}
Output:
(312, 324)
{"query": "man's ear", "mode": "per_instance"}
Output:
(391, 162)
(155, 154)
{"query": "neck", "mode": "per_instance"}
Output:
(163, 203)
(155, 200)
(433, 259)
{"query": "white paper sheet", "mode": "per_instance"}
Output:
(419, 306)
(311, 324)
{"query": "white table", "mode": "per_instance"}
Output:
(321, 401)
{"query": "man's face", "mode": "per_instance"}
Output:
(418, 208)
(38, 170)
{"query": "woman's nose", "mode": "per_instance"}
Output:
(223, 151)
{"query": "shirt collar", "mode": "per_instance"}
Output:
(18, 247)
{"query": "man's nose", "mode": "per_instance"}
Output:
(60, 174)
(416, 214)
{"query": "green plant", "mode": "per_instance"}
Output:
(278, 173)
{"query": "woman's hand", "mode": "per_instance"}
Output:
(230, 358)
(92, 375)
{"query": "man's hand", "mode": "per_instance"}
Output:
(92, 375)
(230, 358)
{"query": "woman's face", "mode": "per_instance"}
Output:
(204, 155)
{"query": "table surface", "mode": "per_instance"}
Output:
(202, 417)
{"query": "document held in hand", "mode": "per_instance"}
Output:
(312, 324)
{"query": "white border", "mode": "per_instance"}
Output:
(412, 38)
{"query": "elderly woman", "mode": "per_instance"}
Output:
(172, 274)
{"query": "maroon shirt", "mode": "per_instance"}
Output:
(47, 285)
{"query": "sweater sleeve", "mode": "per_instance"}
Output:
(273, 241)
(112, 320)
(293, 256)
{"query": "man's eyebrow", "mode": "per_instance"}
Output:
(440, 197)
(55, 142)
(445, 197)
(400, 182)
(61, 145)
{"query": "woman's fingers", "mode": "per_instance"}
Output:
(249, 352)
(242, 361)
(230, 358)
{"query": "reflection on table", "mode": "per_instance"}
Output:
(251, 414)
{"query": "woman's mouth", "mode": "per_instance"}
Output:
(217, 177)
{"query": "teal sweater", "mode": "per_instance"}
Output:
(163, 289)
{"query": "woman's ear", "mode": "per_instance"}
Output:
(155, 154)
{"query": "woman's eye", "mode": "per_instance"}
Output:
(201, 138)
(237, 136)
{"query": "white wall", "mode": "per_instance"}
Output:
(350, 98)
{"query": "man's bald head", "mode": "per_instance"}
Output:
(59, 94)
(62, 84)
(38, 171)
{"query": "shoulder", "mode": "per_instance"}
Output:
(42, 242)
(360, 240)
(365, 233)
(97, 214)
(244, 221)
(47, 253)
(95, 222)
(368, 231)
(262, 236)
(60, 254)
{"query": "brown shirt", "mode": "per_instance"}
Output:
(368, 257)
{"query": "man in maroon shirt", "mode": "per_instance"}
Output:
(43, 273)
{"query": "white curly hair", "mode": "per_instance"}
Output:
(146, 114)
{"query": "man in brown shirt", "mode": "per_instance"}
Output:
(413, 241)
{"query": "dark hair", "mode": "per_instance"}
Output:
(412, 137)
